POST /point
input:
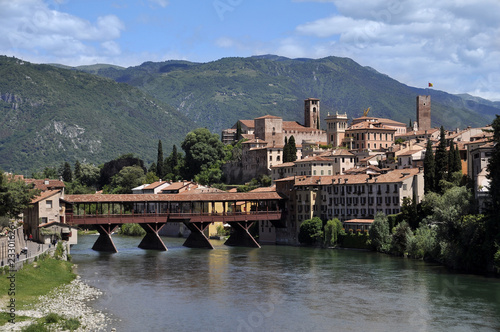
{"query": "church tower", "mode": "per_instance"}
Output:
(311, 113)
(424, 112)
(335, 128)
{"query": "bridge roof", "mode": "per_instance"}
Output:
(204, 197)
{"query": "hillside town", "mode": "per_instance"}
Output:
(350, 171)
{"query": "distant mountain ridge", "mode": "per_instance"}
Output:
(216, 94)
(54, 113)
(49, 115)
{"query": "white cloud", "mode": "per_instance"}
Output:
(37, 31)
(455, 44)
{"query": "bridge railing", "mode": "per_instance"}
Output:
(144, 217)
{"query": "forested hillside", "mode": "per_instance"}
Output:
(216, 94)
(49, 115)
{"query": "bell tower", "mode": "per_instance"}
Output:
(311, 113)
(424, 112)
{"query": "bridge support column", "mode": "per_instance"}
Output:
(152, 240)
(240, 237)
(104, 241)
(197, 239)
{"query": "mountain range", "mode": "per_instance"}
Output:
(55, 113)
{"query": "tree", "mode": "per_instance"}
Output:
(77, 171)
(429, 168)
(111, 168)
(67, 174)
(159, 161)
(238, 131)
(379, 233)
(89, 175)
(289, 150)
(441, 160)
(127, 179)
(494, 169)
(333, 228)
(202, 148)
(401, 238)
(15, 195)
(311, 231)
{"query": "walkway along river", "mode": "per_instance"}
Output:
(280, 288)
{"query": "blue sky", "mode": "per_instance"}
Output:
(455, 44)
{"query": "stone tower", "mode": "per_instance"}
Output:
(335, 128)
(424, 112)
(311, 113)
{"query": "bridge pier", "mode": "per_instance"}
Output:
(152, 240)
(104, 241)
(197, 239)
(240, 237)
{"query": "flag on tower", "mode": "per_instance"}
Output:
(430, 85)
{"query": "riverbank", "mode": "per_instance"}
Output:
(49, 286)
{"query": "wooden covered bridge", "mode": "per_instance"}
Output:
(152, 211)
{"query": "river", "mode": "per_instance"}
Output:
(280, 288)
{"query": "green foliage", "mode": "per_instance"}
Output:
(311, 231)
(66, 174)
(35, 327)
(71, 324)
(202, 149)
(399, 141)
(79, 116)
(441, 161)
(401, 239)
(494, 172)
(15, 195)
(127, 179)
(58, 254)
(423, 243)
(380, 234)
(289, 150)
(358, 240)
(221, 231)
(160, 169)
(151, 177)
(333, 228)
(52, 318)
(132, 230)
(429, 168)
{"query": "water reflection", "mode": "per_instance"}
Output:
(282, 288)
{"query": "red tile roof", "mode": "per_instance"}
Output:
(219, 197)
(45, 184)
(44, 195)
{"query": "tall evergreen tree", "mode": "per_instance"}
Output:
(238, 131)
(159, 161)
(441, 160)
(286, 155)
(494, 169)
(78, 170)
(451, 161)
(292, 149)
(67, 174)
(457, 160)
(429, 168)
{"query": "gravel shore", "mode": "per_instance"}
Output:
(69, 301)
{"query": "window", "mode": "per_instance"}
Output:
(48, 204)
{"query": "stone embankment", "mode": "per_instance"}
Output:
(70, 301)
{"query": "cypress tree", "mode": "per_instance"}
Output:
(457, 161)
(238, 131)
(494, 169)
(441, 160)
(78, 170)
(451, 161)
(159, 161)
(286, 155)
(292, 149)
(67, 175)
(429, 168)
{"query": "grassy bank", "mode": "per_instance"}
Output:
(32, 281)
